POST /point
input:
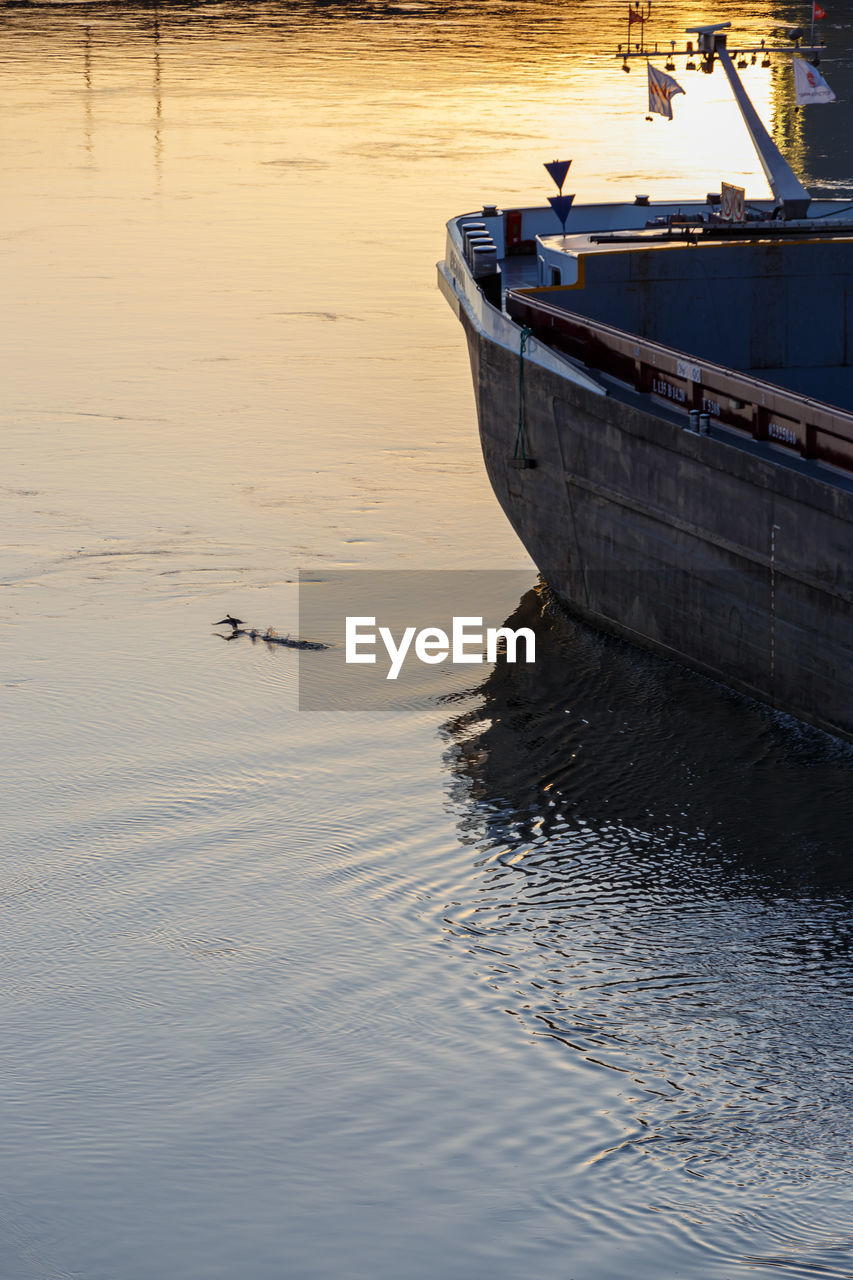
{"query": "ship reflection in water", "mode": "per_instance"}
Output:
(600, 733)
(661, 895)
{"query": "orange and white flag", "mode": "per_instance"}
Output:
(662, 89)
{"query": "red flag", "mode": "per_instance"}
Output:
(817, 12)
(634, 16)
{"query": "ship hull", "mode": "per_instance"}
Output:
(719, 558)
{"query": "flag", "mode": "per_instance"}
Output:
(634, 16)
(817, 12)
(662, 89)
(809, 84)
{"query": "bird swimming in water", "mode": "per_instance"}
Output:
(270, 636)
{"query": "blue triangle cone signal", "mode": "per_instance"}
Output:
(558, 170)
(561, 206)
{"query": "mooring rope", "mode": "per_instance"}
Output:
(520, 443)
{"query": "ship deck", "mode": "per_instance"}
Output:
(729, 435)
(808, 408)
(775, 306)
(519, 272)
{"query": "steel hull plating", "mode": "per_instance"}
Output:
(720, 557)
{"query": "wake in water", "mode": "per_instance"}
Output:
(270, 636)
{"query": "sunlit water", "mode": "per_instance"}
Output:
(549, 979)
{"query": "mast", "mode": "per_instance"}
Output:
(792, 196)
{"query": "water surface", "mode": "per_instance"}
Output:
(545, 977)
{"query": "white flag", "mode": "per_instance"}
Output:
(662, 89)
(809, 84)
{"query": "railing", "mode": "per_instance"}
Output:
(759, 409)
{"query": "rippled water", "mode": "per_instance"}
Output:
(550, 977)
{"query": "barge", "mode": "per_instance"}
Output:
(665, 404)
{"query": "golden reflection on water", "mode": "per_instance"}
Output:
(222, 228)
